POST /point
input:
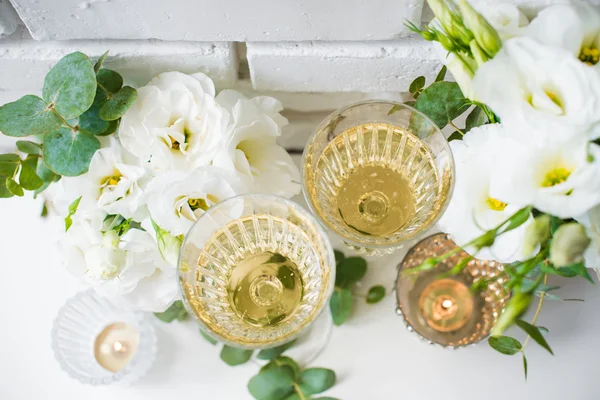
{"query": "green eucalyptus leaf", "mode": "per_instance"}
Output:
(339, 257)
(325, 398)
(505, 344)
(176, 311)
(28, 179)
(44, 212)
(476, 118)
(272, 384)
(442, 74)
(72, 210)
(317, 380)
(90, 122)
(4, 192)
(375, 294)
(14, 187)
(118, 104)
(234, 356)
(28, 147)
(9, 164)
(274, 352)
(286, 277)
(395, 108)
(69, 153)
(442, 102)
(535, 334)
(71, 85)
(208, 338)
(340, 305)
(283, 360)
(100, 61)
(27, 116)
(456, 135)
(525, 365)
(46, 175)
(110, 80)
(350, 271)
(417, 85)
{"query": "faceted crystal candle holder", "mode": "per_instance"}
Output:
(77, 326)
(442, 309)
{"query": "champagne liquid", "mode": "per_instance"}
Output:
(379, 176)
(265, 288)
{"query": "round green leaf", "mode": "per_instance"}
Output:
(118, 104)
(505, 344)
(350, 271)
(274, 352)
(234, 356)
(283, 360)
(317, 380)
(4, 192)
(100, 61)
(28, 147)
(339, 256)
(28, 179)
(110, 80)
(375, 294)
(442, 102)
(69, 153)
(340, 305)
(272, 384)
(176, 311)
(417, 84)
(9, 164)
(29, 115)
(71, 85)
(91, 122)
(14, 187)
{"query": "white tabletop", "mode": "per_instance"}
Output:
(373, 354)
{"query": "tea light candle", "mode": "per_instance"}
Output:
(446, 305)
(116, 345)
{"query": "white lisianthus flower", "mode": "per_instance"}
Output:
(505, 18)
(560, 179)
(573, 27)
(545, 88)
(473, 210)
(177, 199)
(127, 267)
(111, 186)
(591, 222)
(175, 123)
(251, 148)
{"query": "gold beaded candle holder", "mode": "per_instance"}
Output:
(442, 308)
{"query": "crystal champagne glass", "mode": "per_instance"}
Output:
(256, 271)
(378, 173)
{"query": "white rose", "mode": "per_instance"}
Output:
(542, 88)
(472, 209)
(591, 222)
(127, 267)
(175, 123)
(561, 179)
(574, 27)
(176, 199)
(111, 185)
(251, 147)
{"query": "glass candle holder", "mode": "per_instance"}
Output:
(377, 173)
(256, 271)
(442, 308)
(98, 343)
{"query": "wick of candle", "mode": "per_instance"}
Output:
(447, 304)
(119, 347)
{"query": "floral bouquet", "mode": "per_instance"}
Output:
(129, 198)
(528, 160)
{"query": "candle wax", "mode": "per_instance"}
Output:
(116, 345)
(446, 305)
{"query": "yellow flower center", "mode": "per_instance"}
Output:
(198, 204)
(496, 204)
(556, 176)
(555, 99)
(111, 180)
(174, 143)
(589, 55)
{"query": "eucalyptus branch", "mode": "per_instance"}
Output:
(456, 127)
(108, 94)
(537, 312)
(64, 121)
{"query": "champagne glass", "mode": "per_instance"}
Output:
(256, 271)
(378, 173)
(441, 308)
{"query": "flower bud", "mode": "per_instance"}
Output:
(451, 22)
(535, 233)
(517, 305)
(568, 245)
(486, 36)
(478, 54)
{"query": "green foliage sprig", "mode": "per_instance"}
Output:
(80, 101)
(349, 271)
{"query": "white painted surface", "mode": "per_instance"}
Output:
(223, 20)
(25, 62)
(341, 66)
(374, 357)
(9, 20)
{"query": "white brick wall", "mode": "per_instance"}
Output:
(9, 20)
(341, 66)
(218, 20)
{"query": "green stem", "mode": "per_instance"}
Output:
(299, 391)
(457, 128)
(537, 312)
(108, 94)
(64, 121)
